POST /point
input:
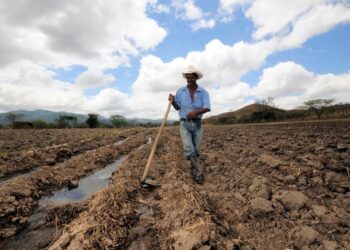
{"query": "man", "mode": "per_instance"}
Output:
(192, 102)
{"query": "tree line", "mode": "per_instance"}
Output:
(311, 109)
(16, 120)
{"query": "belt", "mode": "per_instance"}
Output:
(190, 120)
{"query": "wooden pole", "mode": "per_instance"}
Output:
(155, 143)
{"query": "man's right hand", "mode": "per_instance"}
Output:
(171, 98)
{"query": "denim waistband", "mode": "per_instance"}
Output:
(190, 120)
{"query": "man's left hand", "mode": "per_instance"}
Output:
(191, 115)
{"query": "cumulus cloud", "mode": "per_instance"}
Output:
(161, 8)
(30, 86)
(222, 66)
(203, 24)
(318, 20)
(39, 35)
(102, 35)
(284, 79)
(94, 78)
(228, 7)
(296, 20)
(62, 33)
(291, 84)
(188, 10)
(109, 101)
(272, 16)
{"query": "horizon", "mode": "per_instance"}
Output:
(125, 57)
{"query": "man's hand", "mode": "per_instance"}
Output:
(171, 98)
(191, 115)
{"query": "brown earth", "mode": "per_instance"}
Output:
(24, 150)
(19, 195)
(283, 186)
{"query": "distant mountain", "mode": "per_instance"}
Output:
(51, 116)
(45, 115)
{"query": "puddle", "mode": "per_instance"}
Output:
(31, 238)
(120, 142)
(87, 186)
(27, 172)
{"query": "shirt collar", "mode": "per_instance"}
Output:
(199, 89)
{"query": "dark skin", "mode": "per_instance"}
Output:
(192, 87)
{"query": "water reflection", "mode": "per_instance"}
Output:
(87, 186)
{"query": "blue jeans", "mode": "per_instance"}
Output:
(191, 134)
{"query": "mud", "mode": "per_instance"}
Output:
(84, 188)
(283, 186)
(24, 150)
(20, 196)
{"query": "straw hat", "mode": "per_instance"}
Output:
(190, 70)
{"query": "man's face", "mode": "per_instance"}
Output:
(191, 78)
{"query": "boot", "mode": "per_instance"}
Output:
(193, 167)
(196, 169)
(199, 178)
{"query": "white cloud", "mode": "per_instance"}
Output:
(103, 35)
(29, 86)
(203, 24)
(37, 35)
(273, 16)
(284, 79)
(291, 84)
(94, 78)
(109, 101)
(222, 66)
(161, 8)
(318, 20)
(228, 7)
(296, 20)
(61, 33)
(187, 9)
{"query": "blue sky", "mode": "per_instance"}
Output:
(126, 57)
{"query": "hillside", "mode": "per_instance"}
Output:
(264, 113)
(245, 112)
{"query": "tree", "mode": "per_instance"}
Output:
(319, 106)
(344, 108)
(40, 124)
(92, 121)
(66, 121)
(12, 118)
(72, 120)
(23, 125)
(267, 103)
(118, 121)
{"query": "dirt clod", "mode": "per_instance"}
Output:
(305, 236)
(261, 181)
(291, 200)
(260, 207)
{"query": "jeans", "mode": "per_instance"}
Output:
(191, 134)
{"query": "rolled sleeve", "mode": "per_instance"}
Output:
(206, 101)
(177, 98)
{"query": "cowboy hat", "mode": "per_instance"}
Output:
(192, 70)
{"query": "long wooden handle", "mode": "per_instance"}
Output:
(155, 143)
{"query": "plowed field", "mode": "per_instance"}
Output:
(271, 186)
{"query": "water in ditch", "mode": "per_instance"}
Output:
(31, 238)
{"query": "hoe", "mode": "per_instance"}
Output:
(149, 183)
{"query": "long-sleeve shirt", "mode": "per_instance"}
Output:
(183, 99)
